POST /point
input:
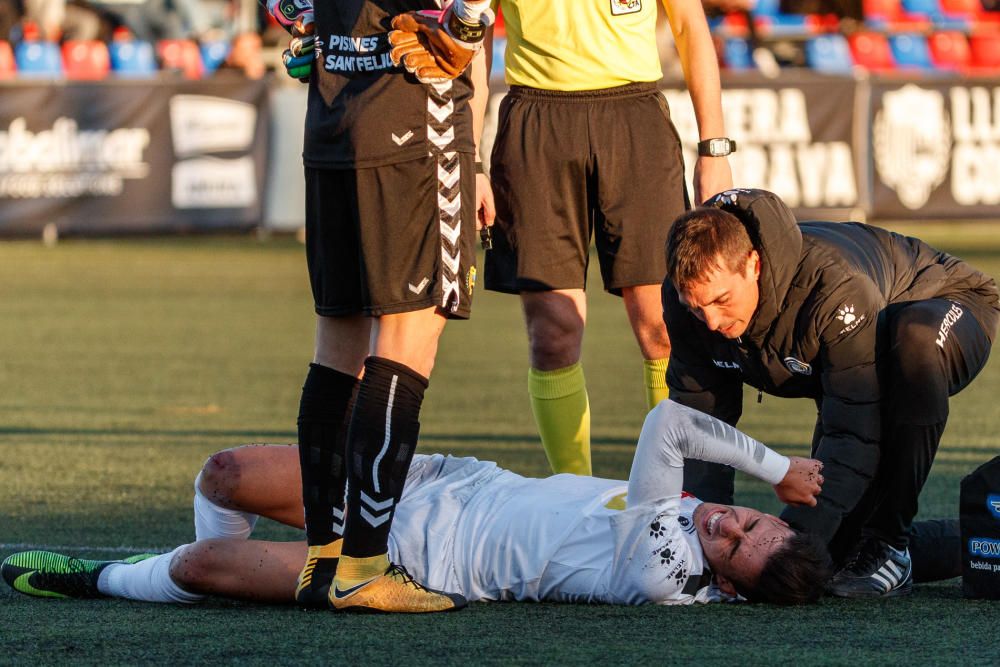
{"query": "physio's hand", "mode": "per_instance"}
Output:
(802, 483)
(486, 210)
(712, 175)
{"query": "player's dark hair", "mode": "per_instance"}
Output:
(794, 574)
(700, 236)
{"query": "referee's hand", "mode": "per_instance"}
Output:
(802, 483)
(486, 210)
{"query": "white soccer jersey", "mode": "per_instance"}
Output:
(470, 527)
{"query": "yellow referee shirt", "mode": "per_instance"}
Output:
(580, 44)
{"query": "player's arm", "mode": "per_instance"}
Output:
(850, 414)
(486, 209)
(673, 432)
(701, 73)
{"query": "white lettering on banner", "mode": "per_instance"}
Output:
(911, 142)
(207, 124)
(776, 150)
(209, 182)
(975, 116)
(65, 161)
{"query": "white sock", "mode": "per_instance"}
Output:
(147, 580)
(211, 520)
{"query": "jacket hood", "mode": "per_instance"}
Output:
(775, 235)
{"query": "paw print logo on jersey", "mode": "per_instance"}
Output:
(666, 557)
(656, 529)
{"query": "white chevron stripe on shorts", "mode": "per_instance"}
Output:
(441, 133)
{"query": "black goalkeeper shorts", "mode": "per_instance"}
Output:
(394, 238)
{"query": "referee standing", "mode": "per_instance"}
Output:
(585, 148)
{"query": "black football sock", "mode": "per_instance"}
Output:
(381, 443)
(324, 415)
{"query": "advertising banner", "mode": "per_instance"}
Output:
(935, 148)
(794, 135)
(131, 156)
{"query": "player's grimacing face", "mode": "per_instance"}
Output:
(738, 541)
(725, 300)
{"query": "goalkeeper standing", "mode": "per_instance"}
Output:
(391, 213)
(585, 147)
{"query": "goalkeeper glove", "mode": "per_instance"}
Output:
(438, 46)
(296, 16)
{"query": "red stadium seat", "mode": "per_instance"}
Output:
(949, 50)
(8, 66)
(985, 51)
(181, 55)
(85, 60)
(973, 11)
(871, 51)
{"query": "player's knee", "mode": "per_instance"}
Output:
(192, 565)
(220, 476)
(555, 342)
(914, 356)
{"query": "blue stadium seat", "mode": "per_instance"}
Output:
(910, 51)
(736, 54)
(499, 51)
(132, 59)
(38, 60)
(213, 54)
(766, 8)
(829, 54)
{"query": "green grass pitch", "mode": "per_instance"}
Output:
(124, 364)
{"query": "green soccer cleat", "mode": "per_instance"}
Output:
(50, 575)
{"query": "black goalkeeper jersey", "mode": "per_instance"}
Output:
(363, 111)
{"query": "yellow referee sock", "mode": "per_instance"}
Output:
(562, 411)
(654, 375)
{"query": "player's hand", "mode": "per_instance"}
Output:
(298, 58)
(421, 44)
(712, 175)
(486, 210)
(802, 483)
(437, 46)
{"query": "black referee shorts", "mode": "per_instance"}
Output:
(569, 165)
(392, 239)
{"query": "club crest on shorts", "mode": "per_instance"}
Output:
(798, 367)
(619, 7)
(470, 280)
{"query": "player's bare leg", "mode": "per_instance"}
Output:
(241, 569)
(645, 314)
(381, 443)
(264, 480)
(555, 322)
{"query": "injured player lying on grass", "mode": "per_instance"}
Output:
(490, 534)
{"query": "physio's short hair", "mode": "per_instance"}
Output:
(794, 574)
(698, 237)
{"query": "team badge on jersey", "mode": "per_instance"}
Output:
(619, 7)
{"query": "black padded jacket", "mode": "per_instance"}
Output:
(823, 290)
